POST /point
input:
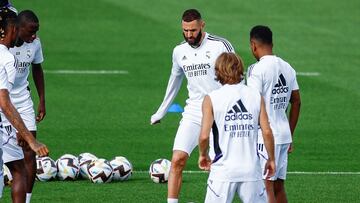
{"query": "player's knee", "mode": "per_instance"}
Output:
(178, 162)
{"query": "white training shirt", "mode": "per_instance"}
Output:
(198, 66)
(7, 68)
(275, 79)
(236, 111)
(27, 54)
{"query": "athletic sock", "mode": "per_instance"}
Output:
(172, 200)
(28, 197)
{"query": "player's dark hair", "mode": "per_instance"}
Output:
(27, 16)
(7, 18)
(191, 15)
(4, 3)
(262, 34)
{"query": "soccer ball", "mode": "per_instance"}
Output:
(122, 168)
(100, 171)
(45, 168)
(159, 170)
(68, 167)
(84, 160)
(7, 175)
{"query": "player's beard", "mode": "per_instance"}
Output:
(196, 41)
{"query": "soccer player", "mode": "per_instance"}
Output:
(194, 58)
(8, 34)
(233, 113)
(276, 81)
(29, 53)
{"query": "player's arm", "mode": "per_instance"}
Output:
(254, 80)
(14, 118)
(38, 76)
(268, 140)
(172, 90)
(206, 124)
(295, 103)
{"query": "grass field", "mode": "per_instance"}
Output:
(108, 115)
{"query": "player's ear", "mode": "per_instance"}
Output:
(202, 24)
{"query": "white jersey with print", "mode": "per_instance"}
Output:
(7, 77)
(7, 68)
(198, 66)
(275, 79)
(27, 54)
(236, 111)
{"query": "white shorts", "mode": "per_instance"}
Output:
(1, 169)
(187, 136)
(223, 192)
(281, 160)
(11, 150)
(25, 107)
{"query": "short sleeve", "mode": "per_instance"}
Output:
(38, 58)
(254, 79)
(4, 83)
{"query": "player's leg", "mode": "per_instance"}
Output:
(220, 192)
(178, 163)
(269, 183)
(280, 193)
(18, 188)
(252, 191)
(27, 113)
(185, 141)
(30, 166)
(1, 169)
(282, 162)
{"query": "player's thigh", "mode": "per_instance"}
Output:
(27, 113)
(187, 136)
(253, 191)
(220, 192)
(11, 150)
(282, 161)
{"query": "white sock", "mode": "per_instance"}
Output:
(172, 200)
(28, 197)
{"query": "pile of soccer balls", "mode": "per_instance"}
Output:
(88, 166)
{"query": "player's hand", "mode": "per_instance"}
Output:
(204, 163)
(269, 168)
(291, 148)
(155, 119)
(155, 122)
(41, 112)
(39, 148)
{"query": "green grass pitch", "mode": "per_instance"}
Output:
(108, 115)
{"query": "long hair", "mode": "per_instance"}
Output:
(229, 68)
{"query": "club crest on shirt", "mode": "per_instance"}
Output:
(207, 54)
(28, 53)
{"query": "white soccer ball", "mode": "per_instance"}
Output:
(7, 175)
(100, 171)
(159, 170)
(84, 160)
(68, 167)
(122, 168)
(45, 169)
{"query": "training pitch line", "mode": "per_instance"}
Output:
(289, 172)
(88, 72)
(124, 72)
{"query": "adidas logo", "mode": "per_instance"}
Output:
(280, 86)
(238, 112)
(184, 58)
